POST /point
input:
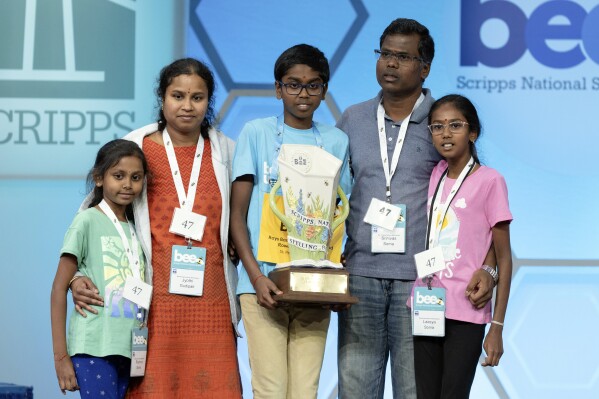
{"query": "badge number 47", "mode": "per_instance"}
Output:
(429, 262)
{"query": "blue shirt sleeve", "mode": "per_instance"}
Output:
(245, 158)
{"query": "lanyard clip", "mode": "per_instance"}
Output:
(188, 242)
(429, 280)
(141, 319)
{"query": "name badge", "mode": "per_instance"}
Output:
(138, 292)
(187, 270)
(429, 261)
(382, 214)
(139, 351)
(188, 224)
(428, 312)
(390, 241)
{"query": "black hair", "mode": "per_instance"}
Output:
(405, 26)
(466, 108)
(109, 155)
(186, 66)
(302, 54)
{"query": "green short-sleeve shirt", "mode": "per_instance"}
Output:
(94, 240)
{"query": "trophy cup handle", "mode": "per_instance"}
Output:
(273, 205)
(344, 209)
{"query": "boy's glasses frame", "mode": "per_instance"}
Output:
(437, 129)
(294, 88)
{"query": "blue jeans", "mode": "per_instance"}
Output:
(376, 327)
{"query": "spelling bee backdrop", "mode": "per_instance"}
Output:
(77, 73)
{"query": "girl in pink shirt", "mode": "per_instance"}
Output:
(477, 218)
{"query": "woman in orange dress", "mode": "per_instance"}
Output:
(192, 339)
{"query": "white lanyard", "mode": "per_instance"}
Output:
(185, 202)
(132, 253)
(436, 207)
(390, 171)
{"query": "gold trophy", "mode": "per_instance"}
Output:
(309, 179)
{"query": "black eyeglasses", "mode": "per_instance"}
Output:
(402, 59)
(294, 88)
(454, 127)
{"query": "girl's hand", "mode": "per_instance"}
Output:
(66, 375)
(264, 287)
(480, 288)
(493, 346)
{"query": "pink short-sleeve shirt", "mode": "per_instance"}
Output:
(465, 236)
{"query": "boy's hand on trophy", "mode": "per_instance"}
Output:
(264, 289)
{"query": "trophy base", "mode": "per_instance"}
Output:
(309, 285)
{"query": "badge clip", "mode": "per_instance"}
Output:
(429, 280)
(140, 319)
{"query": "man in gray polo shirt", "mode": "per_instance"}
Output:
(390, 162)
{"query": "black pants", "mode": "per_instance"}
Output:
(445, 367)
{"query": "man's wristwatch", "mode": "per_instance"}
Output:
(492, 272)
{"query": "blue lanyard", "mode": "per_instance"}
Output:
(274, 169)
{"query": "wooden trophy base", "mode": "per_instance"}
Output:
(310, 285)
